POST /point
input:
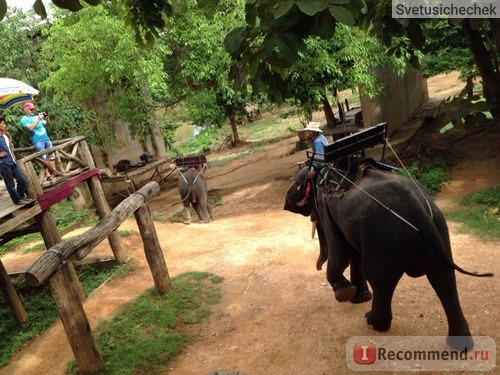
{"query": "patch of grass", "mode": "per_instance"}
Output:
(67, 215)
(147, 334)
(126, 232)
(479, 213)
(41, 309)
(198, 145)
(431, 174)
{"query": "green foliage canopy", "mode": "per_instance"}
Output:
(94, 60)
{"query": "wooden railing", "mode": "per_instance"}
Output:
(51, 267)
(72, 157)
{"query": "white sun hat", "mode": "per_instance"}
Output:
(314, 127)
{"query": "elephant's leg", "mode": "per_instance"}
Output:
(209, 209)
(201, 209)
(358, 279)
(442, 279)
(323, 247)
(338, 261)
(339, 252)
(187, 214)
(383, 283)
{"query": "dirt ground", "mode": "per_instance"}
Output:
(278, 314)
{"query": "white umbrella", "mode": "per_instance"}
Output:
(13, 91)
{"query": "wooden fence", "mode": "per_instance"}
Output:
(53, 267)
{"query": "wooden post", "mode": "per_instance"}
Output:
(13, 299)
(101, 204)
(152, 249)
(46, 221)
(54, 265)
(52, 237)
(65, 292)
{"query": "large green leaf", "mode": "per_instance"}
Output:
(3, 9)
(325, 26)
(416, 34)
(40, 9)
(342, 15)
(311, 7)
(283, 9)
(269, 45)
(287, 47)
(73, 5)
(233, 40)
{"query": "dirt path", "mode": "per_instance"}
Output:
(278, 314)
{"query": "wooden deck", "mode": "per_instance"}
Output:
(12, 216)
(74, 164)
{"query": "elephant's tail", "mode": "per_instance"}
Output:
(189, 192)
(443, 246)
(461, 270)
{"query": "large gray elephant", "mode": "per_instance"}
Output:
(193, 191)
(384, 225)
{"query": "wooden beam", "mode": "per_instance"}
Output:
(10, 293)
(66, 295)
(152, 250)
(78, 247)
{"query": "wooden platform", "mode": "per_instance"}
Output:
(12, 215)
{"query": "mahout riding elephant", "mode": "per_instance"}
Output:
(193, 191)
(384, 225)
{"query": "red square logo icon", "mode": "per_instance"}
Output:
(365, 353)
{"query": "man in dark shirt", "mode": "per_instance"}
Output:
(9, 168)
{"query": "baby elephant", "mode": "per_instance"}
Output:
(193, 190)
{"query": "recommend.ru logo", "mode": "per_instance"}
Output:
(418, 353)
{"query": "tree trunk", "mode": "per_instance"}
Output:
(234, 128)
(329, 115)
(484, 62)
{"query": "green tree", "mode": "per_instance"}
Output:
(197, 63)
(346, 61)
(95, 61)
(269, 44)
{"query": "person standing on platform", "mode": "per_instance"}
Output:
(9, 168)
(35, 124)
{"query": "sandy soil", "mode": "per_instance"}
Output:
(278, 314)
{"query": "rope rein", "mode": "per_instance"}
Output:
(411, 178)
(376, 200)
(344, 176)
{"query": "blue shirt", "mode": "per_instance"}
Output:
(319, 143)
(38, 134)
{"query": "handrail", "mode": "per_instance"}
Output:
(76, 248)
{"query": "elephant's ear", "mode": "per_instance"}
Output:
(307, 194)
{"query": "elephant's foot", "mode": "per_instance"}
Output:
(361, 297)
(377, 323)
(460, 343)
(344, 290)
